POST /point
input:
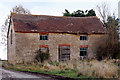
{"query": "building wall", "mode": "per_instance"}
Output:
(26, 45)
(11, 47)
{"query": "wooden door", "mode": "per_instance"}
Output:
(64, 53)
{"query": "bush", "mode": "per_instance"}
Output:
(108, 49)
(41, 56)
(99, 69)
(118, 55)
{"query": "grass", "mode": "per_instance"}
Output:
(66, 73)
(71, 69)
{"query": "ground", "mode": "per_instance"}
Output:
(56, 71)
(17, 74)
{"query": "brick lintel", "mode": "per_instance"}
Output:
(81, 46)
(64, 45)
(43, 46)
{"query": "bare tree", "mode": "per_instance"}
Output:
(103, 11)
(20, 10)
(110, 47)
(4, 28)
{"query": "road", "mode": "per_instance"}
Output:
(22, 75)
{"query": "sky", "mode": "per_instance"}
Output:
(49, 7)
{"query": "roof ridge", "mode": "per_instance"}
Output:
(54, 16)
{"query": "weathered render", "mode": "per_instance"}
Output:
(26, 40)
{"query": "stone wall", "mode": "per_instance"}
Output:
(94, 41)
(26, 45)
(11, 47)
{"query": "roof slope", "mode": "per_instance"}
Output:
(42, 23)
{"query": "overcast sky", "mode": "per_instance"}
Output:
(50, 7)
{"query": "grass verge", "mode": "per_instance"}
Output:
(78, 70)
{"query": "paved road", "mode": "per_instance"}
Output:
(21, 75)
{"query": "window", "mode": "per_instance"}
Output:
(11, 36)
(83, 51)
(83, 37)
(64, 53)
(44, 49)
(43, 37)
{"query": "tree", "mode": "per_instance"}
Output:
(80, 13)
(110, 47)
(90, 13)
(103, 12)
(20, 10)
(4, 28)
(112, 28)
(67, 13)
(110, 22)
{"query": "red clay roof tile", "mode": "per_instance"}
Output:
(42, 23)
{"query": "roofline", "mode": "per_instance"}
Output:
(55, 16)
(9, 26)
(57, 32)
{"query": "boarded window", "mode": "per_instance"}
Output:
(43, 37)
(44, 49)
(83, 37)
(64, 53)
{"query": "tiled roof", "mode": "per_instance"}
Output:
(43, 23)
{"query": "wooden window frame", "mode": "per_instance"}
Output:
(84, 37)
(84, 50)
(43, 37)
(85, 54)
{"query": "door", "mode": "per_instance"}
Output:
(64, 53)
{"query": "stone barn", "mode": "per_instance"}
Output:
(66, 38)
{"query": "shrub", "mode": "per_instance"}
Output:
(91, 69)
(50, 67)
(108, 49)
(41, 56)
(100, 69)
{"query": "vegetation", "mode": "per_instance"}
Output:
(110, 47)
(72, 69)
(20, 10)
(4, 28)
(41, 56)
(80, 13)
